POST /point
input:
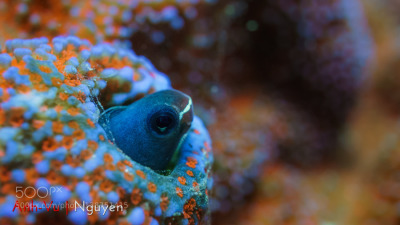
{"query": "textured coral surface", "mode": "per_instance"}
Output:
(96, 20)
(50, 136)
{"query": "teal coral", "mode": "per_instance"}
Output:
(96, 20)
(52, 94)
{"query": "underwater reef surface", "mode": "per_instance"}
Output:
(247, 152)
(50, 137)
(241, 153)
(97, 20)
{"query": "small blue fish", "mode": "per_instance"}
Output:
(151, 129)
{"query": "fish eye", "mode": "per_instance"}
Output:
(163, 121)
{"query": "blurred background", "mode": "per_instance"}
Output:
(302, 101)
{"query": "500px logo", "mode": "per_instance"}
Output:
(31, 192)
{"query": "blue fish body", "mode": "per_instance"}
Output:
(151, 129)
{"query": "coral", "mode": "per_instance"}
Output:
(96, 20)
(248, 142)
(52, 94)
(244, 147)
(381, 197)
